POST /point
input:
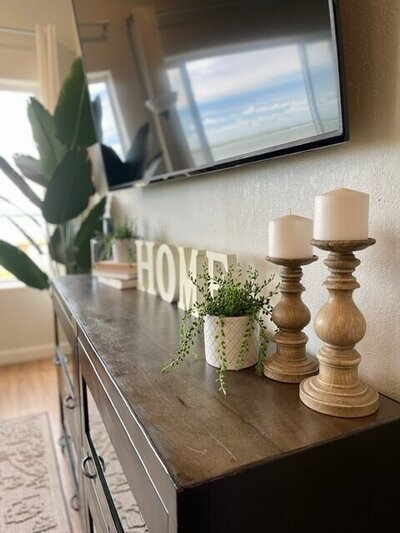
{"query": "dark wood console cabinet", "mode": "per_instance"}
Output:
(192, 460)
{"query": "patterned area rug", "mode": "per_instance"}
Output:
(31, 497)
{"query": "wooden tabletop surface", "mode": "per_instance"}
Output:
(199, 433)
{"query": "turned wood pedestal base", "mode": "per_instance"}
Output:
(290, 363)
(336, 390)
(350, 402)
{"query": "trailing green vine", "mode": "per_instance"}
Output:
(231, 294)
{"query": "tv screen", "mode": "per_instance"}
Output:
(182, 87)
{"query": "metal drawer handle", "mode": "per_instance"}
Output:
(85, 472)
(75, 502)
(69, 402)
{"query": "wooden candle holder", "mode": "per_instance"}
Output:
(336, 390)
(290, 363)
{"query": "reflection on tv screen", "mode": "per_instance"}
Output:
(182, 85)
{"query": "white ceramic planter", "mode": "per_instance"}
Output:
(234, 328)
(124, 250)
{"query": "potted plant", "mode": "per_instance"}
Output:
(123, 243)
(230, 314)
(63, 173)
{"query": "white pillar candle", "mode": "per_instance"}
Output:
(341, 215)
(289, 237)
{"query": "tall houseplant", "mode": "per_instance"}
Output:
(231, 309)
(64, 172)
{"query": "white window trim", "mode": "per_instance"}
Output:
(10, 84)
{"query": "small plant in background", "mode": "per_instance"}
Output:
(120, 244)
(124, 230)
(234, 294)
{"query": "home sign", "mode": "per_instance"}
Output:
(163, 269)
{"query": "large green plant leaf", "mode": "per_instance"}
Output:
(26, 235)
(19, 182)
(15, 206)
(116, 170)
(73, 116)
(89, 226)
(62, 244)
(50, 149)
(69, 190)
(56, 246)
(22, 267)
(30, 168)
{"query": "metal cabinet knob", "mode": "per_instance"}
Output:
(84, 467)
(69, 402)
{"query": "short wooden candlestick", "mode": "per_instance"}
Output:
(336, 390)
(290, 363)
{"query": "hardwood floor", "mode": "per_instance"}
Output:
(29, 388)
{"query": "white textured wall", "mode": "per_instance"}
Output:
(18, 53)
(230, 211)
(26, 325)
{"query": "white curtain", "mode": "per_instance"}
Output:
(48, 68)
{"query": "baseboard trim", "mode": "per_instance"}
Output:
(28, 353)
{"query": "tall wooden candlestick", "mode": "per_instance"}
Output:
(336, 390)
(290, 363)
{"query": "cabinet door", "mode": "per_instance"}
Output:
(68, 390)
(105, 480)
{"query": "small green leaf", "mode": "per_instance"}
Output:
(73, 116)
(22, 267)
(50, 149)
(69, 190)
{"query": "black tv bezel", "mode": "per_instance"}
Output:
(273, 154)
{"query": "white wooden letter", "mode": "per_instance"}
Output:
(189, 261)
(223, 260)
(166, 272)
(145, 265)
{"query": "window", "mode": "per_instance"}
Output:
(20, 215)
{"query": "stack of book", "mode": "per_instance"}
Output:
(118, 275)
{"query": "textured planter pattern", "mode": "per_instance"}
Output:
(234, 328)
(124, 251)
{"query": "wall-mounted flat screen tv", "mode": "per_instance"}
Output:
(183, 87)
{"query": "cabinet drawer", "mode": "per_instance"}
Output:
(66, 352)
(131, 462)
(68, 323)
(66, 359)
(70, 406)
(95, 518)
